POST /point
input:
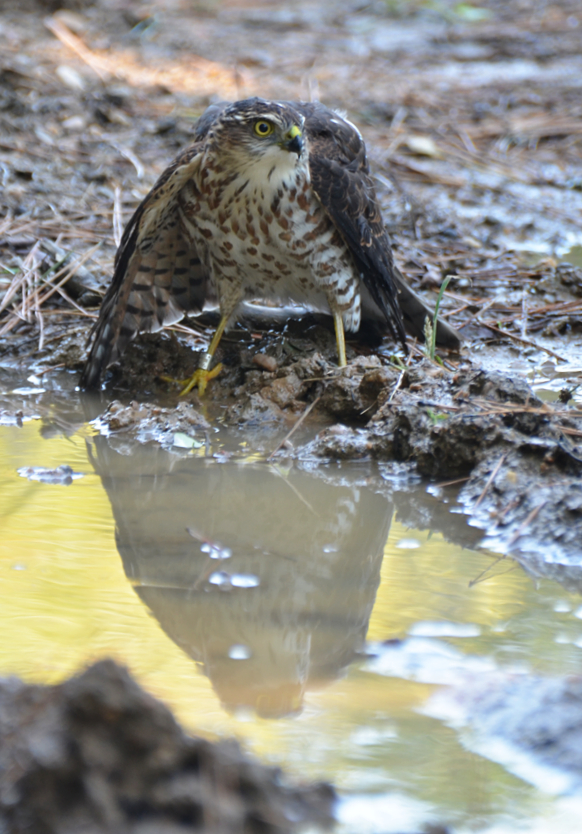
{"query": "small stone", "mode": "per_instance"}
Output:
(284, 391)
(265, 362)
(70, 77)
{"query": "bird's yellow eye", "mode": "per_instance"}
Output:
(263, 128)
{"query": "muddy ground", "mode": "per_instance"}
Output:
(99, 754)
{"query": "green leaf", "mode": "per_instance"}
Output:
(184, 441)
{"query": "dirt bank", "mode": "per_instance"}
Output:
(98, 754)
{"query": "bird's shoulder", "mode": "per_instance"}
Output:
(333, 137)
(162, 196)
(185, 163)
(340, 173)
(343, 184)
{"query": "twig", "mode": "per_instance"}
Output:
(50, 368)
(523, 341)
(479, 312)
(571, 432)
(433, 333)
(526, 523)
(420, 352)
(131, 157)
(294, 490)
(68, 274)
(20, 280)
(61, 311)
(490, 480)
(35, 298)
(451, 483)
(40, 320)
(66, 37)
(307, 411)
(431, 404)
(400, 378)
(485, 570)
(117, 216)
(29, 268)
(67, 298)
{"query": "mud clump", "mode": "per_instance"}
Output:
(521, 459)
(127, 425)
(447, 424)
(541, 716)
(99, 754)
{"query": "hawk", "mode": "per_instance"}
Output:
(273, 200)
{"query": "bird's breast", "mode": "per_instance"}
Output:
(271, 241)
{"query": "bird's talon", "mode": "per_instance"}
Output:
(173, 380)
(200, 379)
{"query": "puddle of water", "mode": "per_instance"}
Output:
(247, 597)
(573, 256)
(549, 379)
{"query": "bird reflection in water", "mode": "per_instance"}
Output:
(265, 578)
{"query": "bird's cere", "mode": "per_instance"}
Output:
(294, 141)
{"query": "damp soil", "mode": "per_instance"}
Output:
(99, 754)
(514, 460)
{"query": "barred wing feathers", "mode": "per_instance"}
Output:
(341, 178)
(342, 181)
(158, 276)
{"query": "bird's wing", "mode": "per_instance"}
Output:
(158, 276)
(341, 179)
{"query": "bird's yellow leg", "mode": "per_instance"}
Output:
(340, 339)
(202, 375)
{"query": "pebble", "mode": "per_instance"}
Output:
(265, 362)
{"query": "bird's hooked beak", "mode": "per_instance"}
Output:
(293, 141)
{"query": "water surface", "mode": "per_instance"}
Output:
(250, 596)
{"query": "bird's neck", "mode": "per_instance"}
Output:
(266, 174)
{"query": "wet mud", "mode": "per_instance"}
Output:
(531, 723)
(539, 716)
(99, 754)
(521, 459)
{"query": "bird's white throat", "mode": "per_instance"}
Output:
(274, 168)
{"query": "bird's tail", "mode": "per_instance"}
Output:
(414, 310)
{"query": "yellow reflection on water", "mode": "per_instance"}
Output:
(442, 581)
(67, 601)
(65, 598)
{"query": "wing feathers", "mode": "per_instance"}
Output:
(341, 179)
(158, 276)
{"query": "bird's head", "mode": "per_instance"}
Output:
(255, 134)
